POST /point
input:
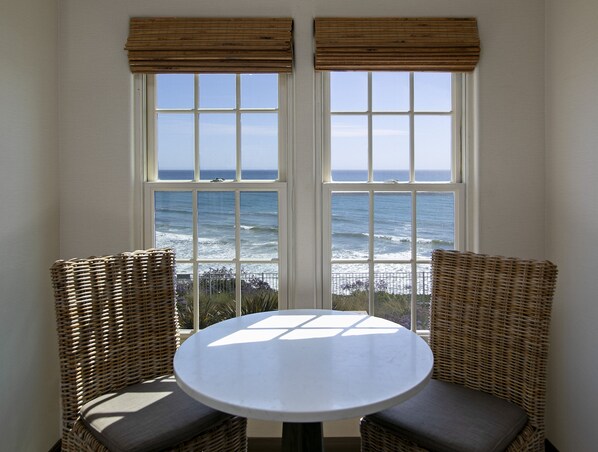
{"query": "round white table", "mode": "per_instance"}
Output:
(303, 367)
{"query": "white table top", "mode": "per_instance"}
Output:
(303, 365)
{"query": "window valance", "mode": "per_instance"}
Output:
(396, 44)
(225, 45)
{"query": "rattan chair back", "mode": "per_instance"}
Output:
(117, 323)
(490, 319)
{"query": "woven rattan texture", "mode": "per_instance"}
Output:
(490, 319)
(117, 326)
(204, 44)
(396, 44)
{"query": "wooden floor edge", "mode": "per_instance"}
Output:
(57, 447)
(345, 444)
(549, 447)
(334, 444)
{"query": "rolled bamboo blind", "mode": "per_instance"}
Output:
(396, 44)
(229, 45)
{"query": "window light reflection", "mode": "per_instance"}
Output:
(311, 333)
(298, 327)
(248, 336)
(282, 321)
(334, 321)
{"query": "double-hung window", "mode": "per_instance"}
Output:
(392, 188)
(216, 190)
(215, 181)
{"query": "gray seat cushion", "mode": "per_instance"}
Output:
(446, 417)
(149, 416)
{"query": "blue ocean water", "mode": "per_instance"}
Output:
(393, 230)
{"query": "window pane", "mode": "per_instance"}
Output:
(176, 142)
(259, 288)
(390, 91)
(216, 225)
(259, 225)
(175, 91)
(390, 142)
(392, 293)
(433, 143)
(392, 226)
(435, 222)
(217, 91)
(350, 285)
(216, 283)
(184, 295)
(174, 222)
(183, 175)
(349, 147)
(348, 91)
(424, 295)
(217, 145)
(432, 91)
(350, 225)
(259, 146)
(259, 90)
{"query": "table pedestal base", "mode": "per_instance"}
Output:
(302, 436)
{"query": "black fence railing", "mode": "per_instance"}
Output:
(259, 291)
(391, 282)
(217, 282)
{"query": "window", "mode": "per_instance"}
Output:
(216, 190)
(392, 188)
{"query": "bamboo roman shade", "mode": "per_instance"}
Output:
(396, 44)
(230, 45)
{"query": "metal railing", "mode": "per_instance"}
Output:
(341, 283)
(391, 282)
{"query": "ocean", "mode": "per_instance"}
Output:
(259, 221)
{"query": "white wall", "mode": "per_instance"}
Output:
(96, 128)
(572, 220)
(29, 403)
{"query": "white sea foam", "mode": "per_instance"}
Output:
(362, 254)
(172, 236)
(213, 248)
(392, 238)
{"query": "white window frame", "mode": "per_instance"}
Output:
(457, 185)
(147, 169)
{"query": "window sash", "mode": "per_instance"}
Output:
(457, 189)
(456, 114)
(153, 111)
(411, 187)
(152, 185)
(280, 188)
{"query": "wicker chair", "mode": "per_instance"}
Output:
(117, 327)
(490, 319)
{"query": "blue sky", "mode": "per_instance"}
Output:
(259, 130)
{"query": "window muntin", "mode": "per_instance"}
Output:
(216, 190)
(392, 188)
